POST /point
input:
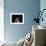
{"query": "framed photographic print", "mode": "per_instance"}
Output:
(16, 18)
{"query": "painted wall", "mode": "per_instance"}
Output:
(28, 7)
(43, 6)
(1, 21)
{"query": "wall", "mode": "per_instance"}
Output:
(43, 6)
(28, 7)
(1, 21)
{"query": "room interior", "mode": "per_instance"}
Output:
(14, 34)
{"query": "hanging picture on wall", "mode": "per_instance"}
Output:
(16, 18)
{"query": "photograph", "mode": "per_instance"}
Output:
(16, 18)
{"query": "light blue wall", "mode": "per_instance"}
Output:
(43, 6)
(28, 7)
